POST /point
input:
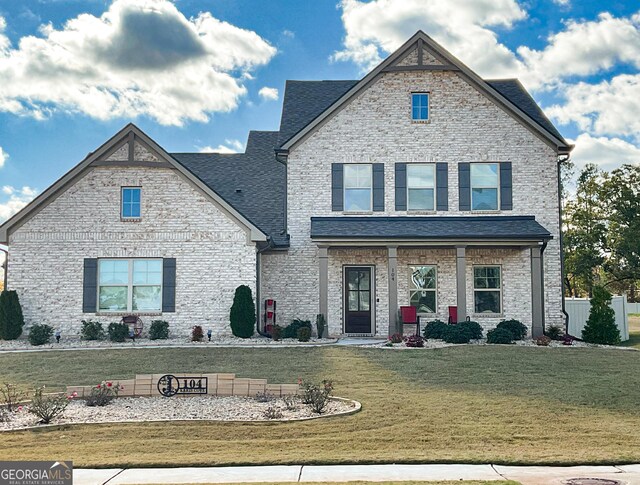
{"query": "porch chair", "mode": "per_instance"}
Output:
(409, 315)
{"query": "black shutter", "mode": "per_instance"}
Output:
(442, 187)
(401, 186)
(506, 190)
(90, 286)
(337, 196)
(378, 187)
(169, 285)
(464, 186)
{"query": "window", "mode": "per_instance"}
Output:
(487, 289)
(131, 202)
(484, 186)
(422, 288)
(420, 106)
(420, 186)
(358, 187)
(129, 285)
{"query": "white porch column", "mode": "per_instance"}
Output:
(461, 282)
(392, 263)
(323, 306)
(537, 293)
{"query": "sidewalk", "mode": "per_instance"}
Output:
(527, 475)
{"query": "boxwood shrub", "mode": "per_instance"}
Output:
(472, 328)
(517, 329)
(291, 330)
(40, 334)
(456, 334)
(304, 334)
(118, 332)
(159, 330)
(499, 336)
(435, 329)
(92, 330)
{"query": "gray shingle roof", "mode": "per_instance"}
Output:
(437, 227)
(252, 182)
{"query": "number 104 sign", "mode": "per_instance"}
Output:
(170, 385)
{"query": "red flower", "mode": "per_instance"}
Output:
(98, 386)
(109, 384)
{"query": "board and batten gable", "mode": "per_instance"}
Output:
(375, 126)
(213, 253)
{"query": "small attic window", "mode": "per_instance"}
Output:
(420, 107)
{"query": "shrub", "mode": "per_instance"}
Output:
(499, 336)
(321, 324)
(291, 330)
(11, 396)
(456, 334)
(272, 413)
(414, 341)
(159, 330)
(197, 334)
(103, 394)
(396, 338)
(290, 401)
(47, 407)
(276, 332)
(264, 396)
(317, 396)
(517, 329)
(118, 332)
(555, 332)
(40, 334)
(243, 313)
(304, 334)
(543, 341)
(435, 329)
(601, 325)
(92, 330)
(472, 328)
(11, 318)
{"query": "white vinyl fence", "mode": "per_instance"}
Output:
(578, 310)
(633, 308)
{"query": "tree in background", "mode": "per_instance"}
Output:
(601, 326)
(11, 318)
(243, 313)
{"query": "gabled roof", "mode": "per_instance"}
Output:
(128, 136)
(253, 182)
(508, 99)
(439, 228)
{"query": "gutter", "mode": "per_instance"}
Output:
(562, 160)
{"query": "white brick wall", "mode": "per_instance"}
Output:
(213, 253)
(465, 126)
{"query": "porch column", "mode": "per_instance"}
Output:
(392, 263)
(323, 259)
(461, 282)
(537, 293)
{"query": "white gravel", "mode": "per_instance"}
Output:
(214, 408)
(439, 344)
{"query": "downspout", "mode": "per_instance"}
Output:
(5, 267)
(564, 310)
(542, 248)
(258, 283)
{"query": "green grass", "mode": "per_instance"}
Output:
(472, 404)
(408, 482)
(634, 331)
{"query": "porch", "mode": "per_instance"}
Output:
(490, 268)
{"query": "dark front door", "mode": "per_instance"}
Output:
(358, 290)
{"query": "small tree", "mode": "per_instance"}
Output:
(11, 318)
(243, 313)
(601, 326)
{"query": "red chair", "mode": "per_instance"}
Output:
(409, 315)
(453, 315)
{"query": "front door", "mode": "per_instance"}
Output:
(358, 291)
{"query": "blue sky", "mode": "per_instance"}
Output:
(198, 75)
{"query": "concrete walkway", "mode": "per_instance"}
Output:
(527, 475)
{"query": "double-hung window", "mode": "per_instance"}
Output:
(487, 289)
(129, 285)
(358, 187)
(485, 183)
(422, 288)
(131, 203)
(421, 186)
(420, 106)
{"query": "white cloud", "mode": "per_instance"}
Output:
(17, 199)
(607, 108)
(607, 153)
(229, 146)
(269, 94)
(140, 57)
(3, 157)
(562, 3)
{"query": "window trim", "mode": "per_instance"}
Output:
(122, 216)
(422, 164)
(345, 188)
(412, 290)
(129, 285)
(418, 120)
(499, 290)
(472, 186)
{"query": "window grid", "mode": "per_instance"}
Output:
(421, 194)
(487, 283)
(132, 283)
(358, 187)
(131, 207)
(420, 106)
(423, 284)
(481, 186)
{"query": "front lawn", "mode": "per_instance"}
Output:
(472, 404)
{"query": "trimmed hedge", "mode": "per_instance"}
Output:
(291, 330)
(456, 334)
(40, 334)
(517, 329)
(499, 336)
(118, 332)
(435, 329)
(92, 330)
(159, 330)
(243, 313)
(11, 318)
(472, 328)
